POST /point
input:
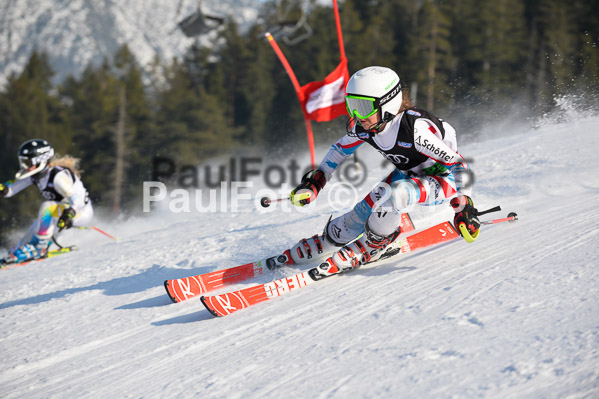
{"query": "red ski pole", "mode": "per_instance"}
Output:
(99, 231)
(511, 217)
(266, 202)
(105, 233)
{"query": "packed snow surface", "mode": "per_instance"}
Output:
(513, 315)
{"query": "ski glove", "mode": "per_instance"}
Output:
(308, 190)
(466, 217)
(3, 190)
(66, 219)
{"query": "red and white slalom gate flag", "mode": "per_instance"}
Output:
(325, 100)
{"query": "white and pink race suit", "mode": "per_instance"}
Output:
(62, 189)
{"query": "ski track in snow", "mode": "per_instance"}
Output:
(513, 315)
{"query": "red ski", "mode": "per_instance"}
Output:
(188, 287)
(185, 288)
(225, 304)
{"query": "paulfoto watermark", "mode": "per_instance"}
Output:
(337, 196)
(235, 197)
(243, 169)
(213, 188)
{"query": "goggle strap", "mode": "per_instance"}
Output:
(396, 89)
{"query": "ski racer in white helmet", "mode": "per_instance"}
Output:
(428, 171)
(67, 203)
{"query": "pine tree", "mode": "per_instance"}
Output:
(191, 121)
(232, 57)
(354, 26)
(138, 131)
(490, 47)
(435, 59)
(257, 88)
(95, 100)
(176, 105)
(588, 36)
(559, 37)
(29, 108)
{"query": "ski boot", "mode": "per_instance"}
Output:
(305, 251)
(37, 248)
(369, 247)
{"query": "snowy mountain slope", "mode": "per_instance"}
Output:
(77, 32)
(514, 315)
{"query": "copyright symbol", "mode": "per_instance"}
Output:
(353, 172)
(342, 196)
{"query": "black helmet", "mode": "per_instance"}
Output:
(33, 157)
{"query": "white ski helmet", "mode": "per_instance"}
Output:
(372, 89)
(33, 157)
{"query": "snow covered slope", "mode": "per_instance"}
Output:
(513, 315)
(77, 32)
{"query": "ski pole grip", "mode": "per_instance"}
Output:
(495, 209)
(466, 234)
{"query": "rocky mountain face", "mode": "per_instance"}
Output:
(77, 32)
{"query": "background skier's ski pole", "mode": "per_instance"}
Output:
(99, 231)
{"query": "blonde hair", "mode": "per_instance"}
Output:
(406, 103)
(66, 161)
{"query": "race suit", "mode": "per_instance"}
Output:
(62, 189)
(429, 171)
